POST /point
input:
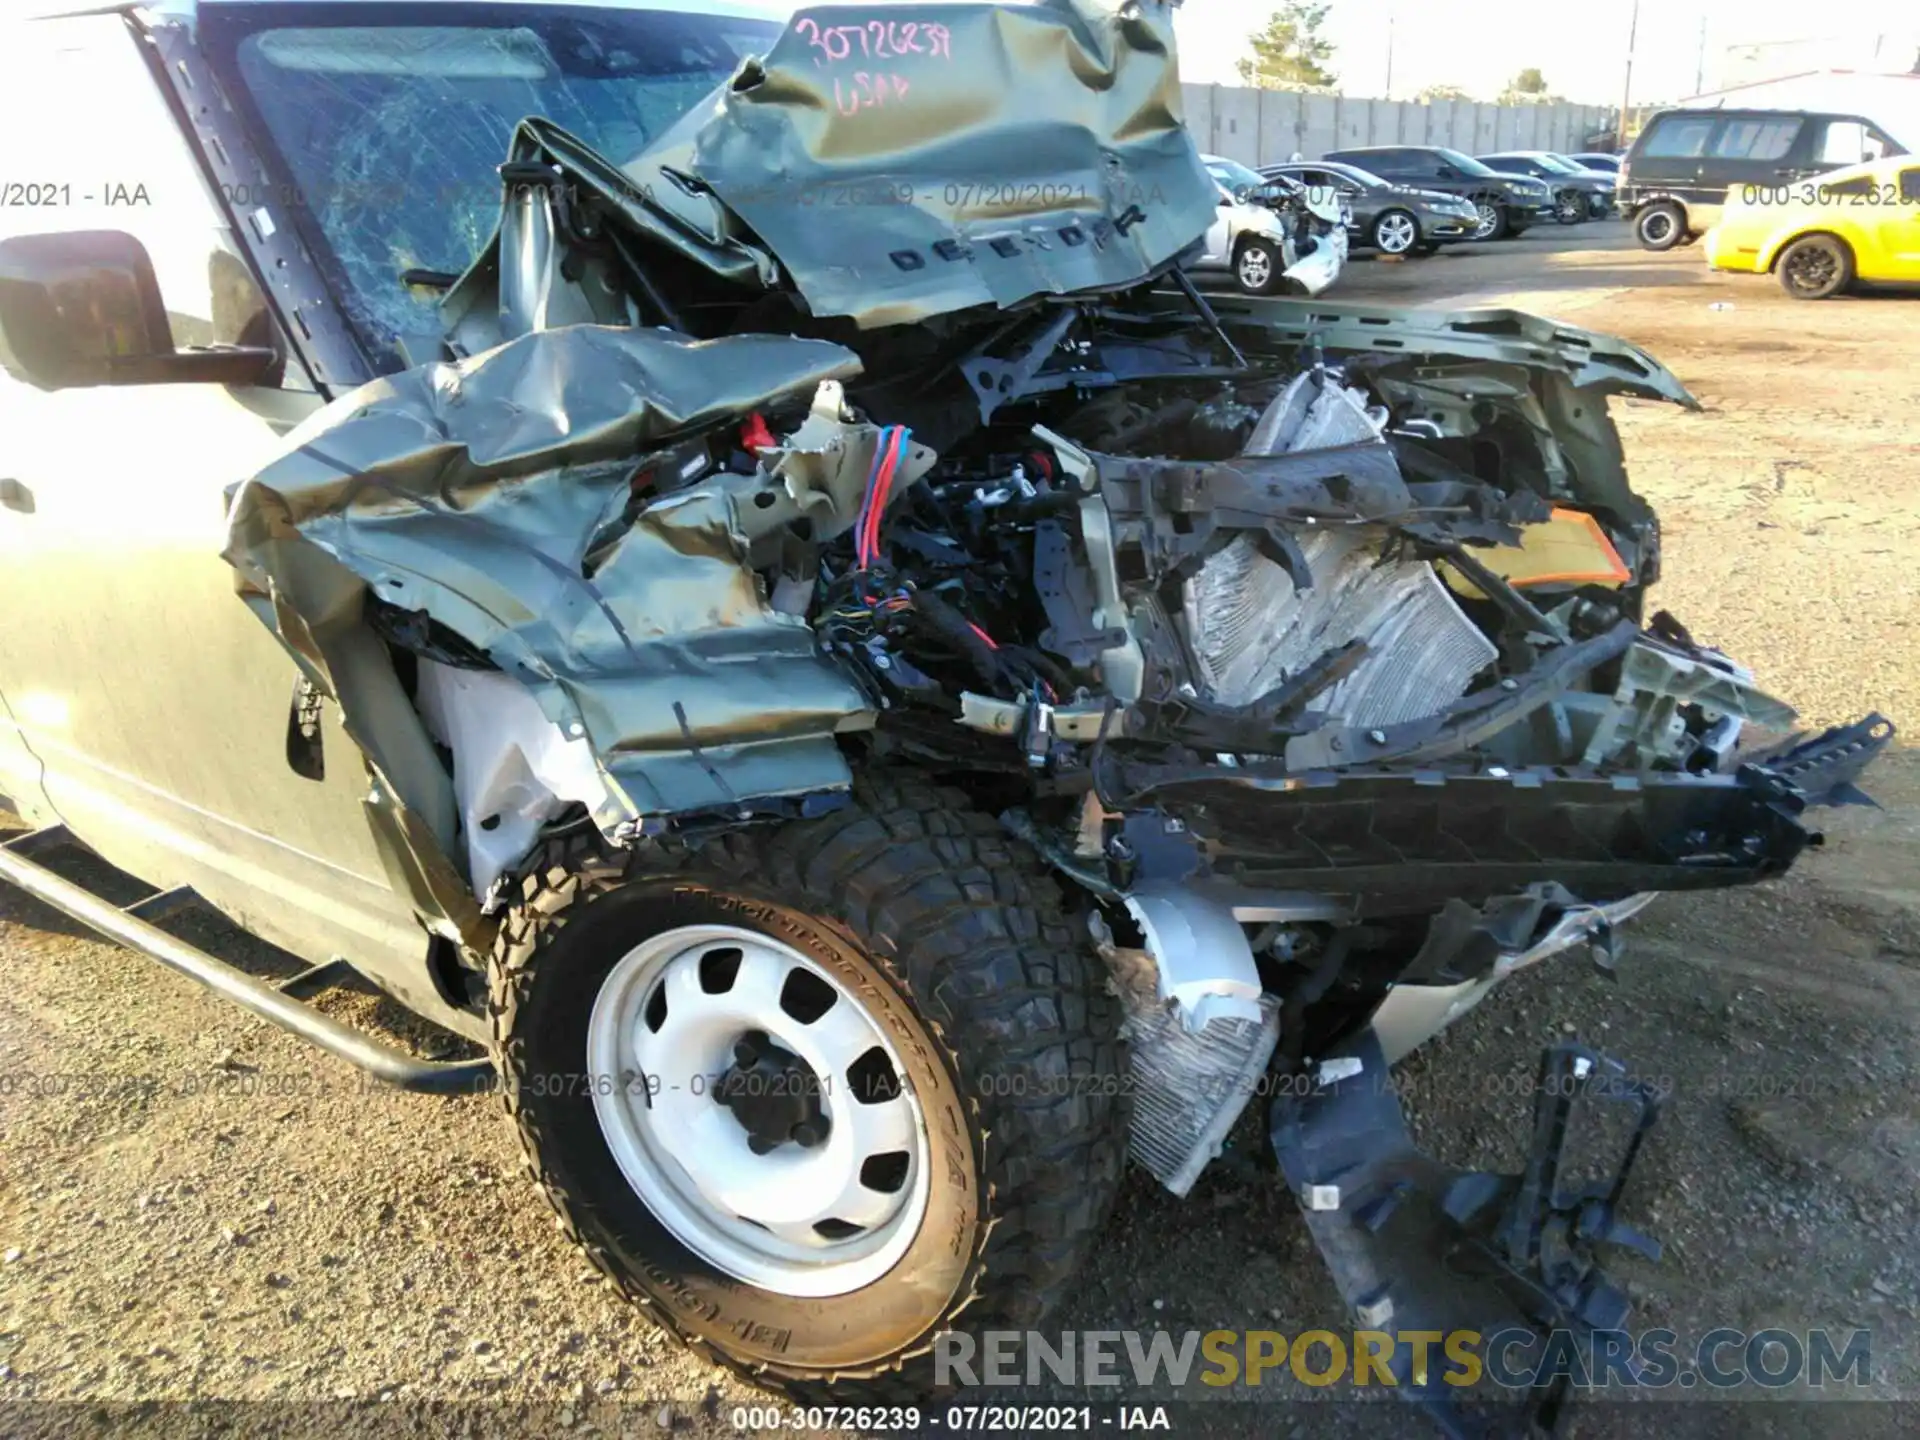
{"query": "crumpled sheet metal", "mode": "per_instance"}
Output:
(1403, 339)
(474, 490)
(906, 161)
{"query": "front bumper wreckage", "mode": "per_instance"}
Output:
(1414, 1244)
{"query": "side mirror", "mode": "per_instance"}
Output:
(84, 309)
(1447, 172)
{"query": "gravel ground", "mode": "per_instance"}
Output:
(211, 1212)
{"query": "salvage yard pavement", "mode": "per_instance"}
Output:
(202, 1208)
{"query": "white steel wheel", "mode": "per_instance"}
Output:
(929, 1118)
(758, 1110)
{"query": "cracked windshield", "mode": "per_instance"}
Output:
(392, 134)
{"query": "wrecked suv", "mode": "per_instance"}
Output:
(726, 561)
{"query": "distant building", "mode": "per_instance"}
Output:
(1890, 100)
(1892, 53)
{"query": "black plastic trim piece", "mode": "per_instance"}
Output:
(266, 234)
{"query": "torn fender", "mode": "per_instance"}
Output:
(474, 491)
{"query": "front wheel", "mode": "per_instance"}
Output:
(1396, 232)
(1661, 226)
(1258, 267)
(1493, 220)
(1569, 207)
(806, 1093)
(1816, 267)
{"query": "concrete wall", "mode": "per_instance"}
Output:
(1266, 127)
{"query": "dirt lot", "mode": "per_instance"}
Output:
(246, 1222)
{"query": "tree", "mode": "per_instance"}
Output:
(1441, 92)
(1288, 54)
(1529, 87)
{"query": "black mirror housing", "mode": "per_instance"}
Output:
(83, 309)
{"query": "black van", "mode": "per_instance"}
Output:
(1676, 177)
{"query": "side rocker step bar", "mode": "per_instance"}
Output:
(277, 1004)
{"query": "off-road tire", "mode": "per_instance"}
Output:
(964, 930)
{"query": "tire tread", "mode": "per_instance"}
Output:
(972, 929)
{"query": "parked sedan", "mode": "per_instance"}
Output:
(1506, 204)
(1821, 235)
(1578, 194)
(1597, 161)
(1393, 219)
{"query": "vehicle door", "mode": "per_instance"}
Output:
(1756, 150)
(1896, 222)
(1833, 142)
(158, 704)
(1669, 156)
(1403, 168)
(20, 789)
(1220, 233)
(1409, 167)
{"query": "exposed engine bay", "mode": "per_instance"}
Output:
(1308, 645)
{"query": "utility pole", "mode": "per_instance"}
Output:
(1626, 91)
(1700, 70)
(1389, 94)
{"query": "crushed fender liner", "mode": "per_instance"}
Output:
(477, 494)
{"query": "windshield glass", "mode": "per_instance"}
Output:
(1366, 179)
(1559, 164)
(1465, 164)
(390, 132)
(1241, 179)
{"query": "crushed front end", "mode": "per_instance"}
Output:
(1309, 645)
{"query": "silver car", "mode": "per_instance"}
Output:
(1272, 235)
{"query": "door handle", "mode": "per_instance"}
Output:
(16, 496)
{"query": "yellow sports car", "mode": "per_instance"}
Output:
(1820, 235)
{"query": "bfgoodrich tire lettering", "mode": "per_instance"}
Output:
(955, 943)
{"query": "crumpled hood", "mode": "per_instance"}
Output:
(907, 163)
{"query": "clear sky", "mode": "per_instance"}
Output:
(1480, 44)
